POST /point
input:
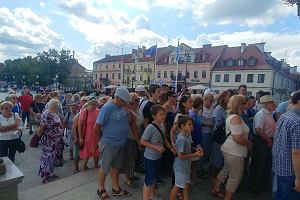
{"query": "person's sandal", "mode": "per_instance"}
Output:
(179, 194)
(120, 193)
(102, 194)
(217, 194)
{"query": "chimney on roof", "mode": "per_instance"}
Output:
(206, 46)
(243, 47)
(293, 70)
(269, 54)
(261, 46)
(107, 55)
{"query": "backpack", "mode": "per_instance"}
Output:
(220, 135)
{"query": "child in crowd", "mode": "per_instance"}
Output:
(182, 164)
(196, 133)
(153, 139)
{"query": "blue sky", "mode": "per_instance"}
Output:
(96, 27)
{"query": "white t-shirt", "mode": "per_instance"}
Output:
(11, 135)
(230, 146)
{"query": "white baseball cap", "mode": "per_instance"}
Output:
(140, 88)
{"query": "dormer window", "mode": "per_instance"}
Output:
(230, 62)
(202, 56)
(252, 61)
(165, 59)
(241, 62)
(222, 63)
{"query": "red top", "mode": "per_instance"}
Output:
(25, 101)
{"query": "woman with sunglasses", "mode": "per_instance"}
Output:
(13, 98)
(9, 131)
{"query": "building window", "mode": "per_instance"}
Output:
(158, 74)
(241, 62)
(141, 78)
(250, 78)
(252, 61)
(217, 77)
(106, 66)
(120, 66)
(226, 78)
(114, 66)
(100, 75)
(172, 74)
(106, 75)
(165, 59)
(261, 78)
(238, 77)
(179, 74)
(281, 82)
(113, 76)
(119, 76)
(187, 74)
(203, 74)
(249, 93)
(172, 60)
(100, 67)
(202, 56)
(230, 63)
(165, 74)
(195, 73)
(96, 77)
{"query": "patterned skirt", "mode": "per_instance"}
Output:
(130, 156)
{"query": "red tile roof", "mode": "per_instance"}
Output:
(211, 53)
(117, 58)
(235, 53)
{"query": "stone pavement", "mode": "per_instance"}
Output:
(82, 186)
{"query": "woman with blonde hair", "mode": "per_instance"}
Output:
(9, 131)
(234, 149)
(87, 138)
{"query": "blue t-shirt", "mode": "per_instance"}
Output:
(196, 133)
(282, 107)
(115, 124)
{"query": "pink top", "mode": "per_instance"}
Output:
(91, 141)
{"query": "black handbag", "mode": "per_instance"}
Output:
(21, 146)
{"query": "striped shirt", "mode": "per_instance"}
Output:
(287, 137)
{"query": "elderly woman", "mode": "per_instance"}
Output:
(36, 109)
(51, 133)
(9, 133)
(132, 147)
(87, 138)
(13, 98)
(234, 149)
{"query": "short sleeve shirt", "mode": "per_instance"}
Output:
(183, 145)
(286, 138)
(115, 124)
(11, 135)
(152, 135)
(265, 121)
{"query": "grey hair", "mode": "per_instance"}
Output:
(53, 103)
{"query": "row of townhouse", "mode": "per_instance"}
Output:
(218, 67)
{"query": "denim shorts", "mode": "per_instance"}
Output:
(151, 170)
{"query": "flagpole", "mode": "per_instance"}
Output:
(155, 63)
(177, 59)
(122, 69)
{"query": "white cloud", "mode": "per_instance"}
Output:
(22, 33)
(222, 12)
(42, 4)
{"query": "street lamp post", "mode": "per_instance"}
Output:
(187, 55)
(85, 76)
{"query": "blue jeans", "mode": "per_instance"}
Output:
(285, 188)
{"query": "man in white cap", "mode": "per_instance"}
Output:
(113, 120)
(141, 92)
(264, 129)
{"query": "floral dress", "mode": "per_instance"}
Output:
(52, 143)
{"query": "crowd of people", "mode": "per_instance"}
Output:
(157, 131)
